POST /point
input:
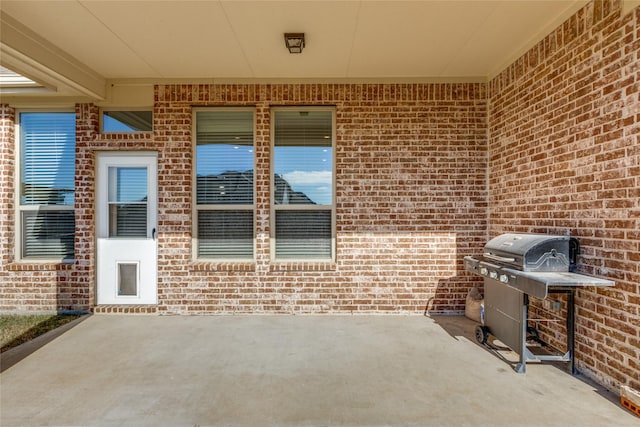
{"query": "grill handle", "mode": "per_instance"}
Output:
(498, 258)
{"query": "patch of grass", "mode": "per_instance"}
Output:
(16, 329)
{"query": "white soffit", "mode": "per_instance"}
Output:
(629, 5)
(328, 26)
(155, 41)
(173, 39)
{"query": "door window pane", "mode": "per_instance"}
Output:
(128, 202)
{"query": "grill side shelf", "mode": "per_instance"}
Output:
(554, 279)
(536, 284)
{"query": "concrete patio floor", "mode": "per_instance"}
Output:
(117, 370)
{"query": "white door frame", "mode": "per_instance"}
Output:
(129, 260)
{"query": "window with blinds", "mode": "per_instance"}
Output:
(303, 183)
(224, 184)
(47, 183)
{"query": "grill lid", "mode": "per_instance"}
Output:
(530, 252)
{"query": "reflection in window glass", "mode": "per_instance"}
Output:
(47, 169)
(128, 184)
(127, 121)
(303, 158)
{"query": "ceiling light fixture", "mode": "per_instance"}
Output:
(294, 42)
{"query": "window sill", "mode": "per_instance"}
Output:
(222, 266)
(39, 266)
(275, 266)
(303, 266)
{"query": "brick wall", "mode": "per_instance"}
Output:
(564, 155)
(410, 177)
(410, 203)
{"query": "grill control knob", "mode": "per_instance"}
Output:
(493, 274)
(504, 278)
(484, 271)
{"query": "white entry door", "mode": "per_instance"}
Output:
(127, 254)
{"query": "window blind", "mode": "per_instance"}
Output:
(230, 187)
(47, 167)
(128, 191)
(303, 234)
(128, 220)
(224, 157)
(303, 128)
(48, 234)
(225, 234)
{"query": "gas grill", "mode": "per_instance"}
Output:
(516, 266)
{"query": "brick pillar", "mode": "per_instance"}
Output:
(7, 176)
(80, 289)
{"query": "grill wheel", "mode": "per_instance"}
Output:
(482, 334)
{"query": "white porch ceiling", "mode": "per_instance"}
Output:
(78, 44)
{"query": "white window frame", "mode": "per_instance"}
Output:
(19, 208)
(221, 207)
(300, 207)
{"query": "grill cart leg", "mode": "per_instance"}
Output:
(524, 320)
(571, 324)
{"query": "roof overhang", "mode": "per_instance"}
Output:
(35, 58)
